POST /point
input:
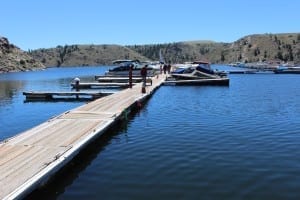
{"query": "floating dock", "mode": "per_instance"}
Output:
(44, 95)
(214, 81)
(99, 85)
(124, 75)
(108, 79)
(29, 159)
(118, 79)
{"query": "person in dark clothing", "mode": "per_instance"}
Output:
(130, 75)
(144, 74)
(169, 68)
(165, 68)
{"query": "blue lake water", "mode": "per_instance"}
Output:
(194, 142)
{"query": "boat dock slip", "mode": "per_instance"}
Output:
(100, 85)
(33, 156)
(119, 79)
(123, 76)
(215, 81)
(58, 95)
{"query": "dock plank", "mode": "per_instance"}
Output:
(23, 166)
(51, 95)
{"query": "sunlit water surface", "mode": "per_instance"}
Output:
(209, 142)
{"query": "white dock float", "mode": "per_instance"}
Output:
(99, 85)
(107, 79)
(32, 157)
(215, 81)
(48, 95)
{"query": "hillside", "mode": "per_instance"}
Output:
(252, 48)
(84, 55)
(285, 47)
(13, 58)
(183, 51)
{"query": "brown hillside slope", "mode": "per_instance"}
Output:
(84, 55)
(252, 48)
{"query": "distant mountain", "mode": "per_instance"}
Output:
(84, 55)
(252, 48)
(180, 52)
(13, 58)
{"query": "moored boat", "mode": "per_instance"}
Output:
(123, 67)
(287, 70)
(197, 70)
(197, 73)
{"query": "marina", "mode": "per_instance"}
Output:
(184, 100)
(55, 142)
(63, 136)
(189, 141)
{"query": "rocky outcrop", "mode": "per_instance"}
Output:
(13, 59)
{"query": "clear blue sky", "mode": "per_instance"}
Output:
(32, 24)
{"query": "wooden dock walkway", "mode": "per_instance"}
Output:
(32, 157)
(118, 79)
(100, 85)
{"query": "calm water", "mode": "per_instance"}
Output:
(236, 142)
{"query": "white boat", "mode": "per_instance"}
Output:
(286, 69)
(196, 70)
(123, 67)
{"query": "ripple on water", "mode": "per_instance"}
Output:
(236, 142)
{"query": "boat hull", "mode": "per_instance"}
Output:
(287, 71)
(217, 82)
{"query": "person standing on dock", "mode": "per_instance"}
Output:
(144, 74)
(165, 68)
(169, 68)
(144, 78)
(130, 75)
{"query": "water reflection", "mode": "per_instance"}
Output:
(17, 116)
(8, 89)
(237, 142)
